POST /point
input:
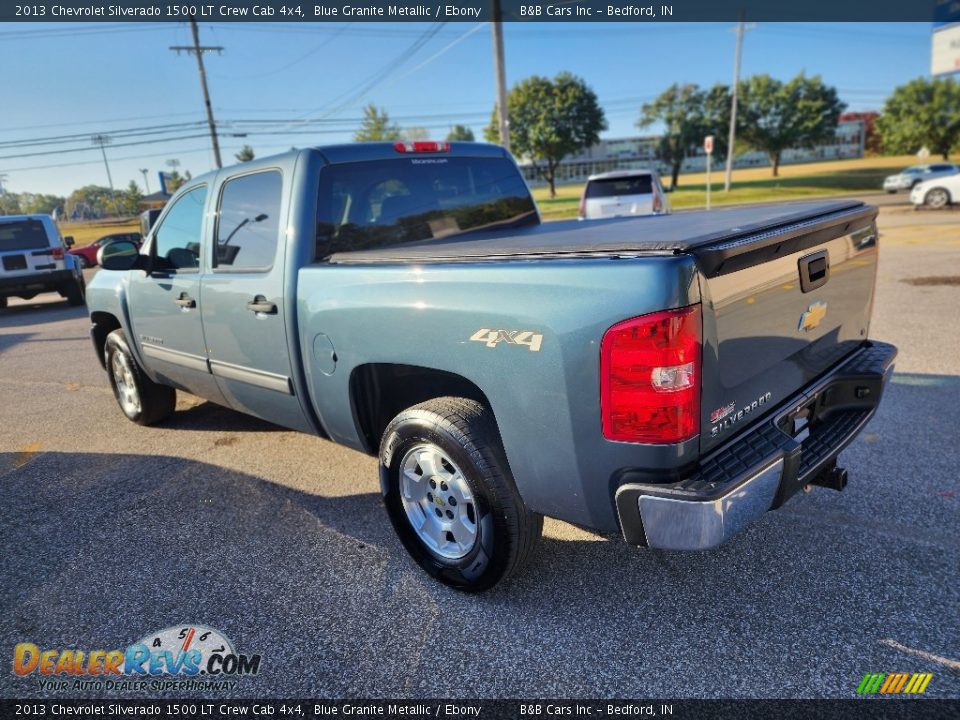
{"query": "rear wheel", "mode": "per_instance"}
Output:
(936, 198)
(451, 497)
(84, 263)
(142, 400)
(75, 292)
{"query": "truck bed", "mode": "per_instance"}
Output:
(681, 232)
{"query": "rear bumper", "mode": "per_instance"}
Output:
(35, 282)
(763, 467)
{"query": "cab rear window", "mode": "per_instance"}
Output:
(368, 205)
(614, 187)
(23, 235)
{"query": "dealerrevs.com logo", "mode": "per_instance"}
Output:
(185, 657)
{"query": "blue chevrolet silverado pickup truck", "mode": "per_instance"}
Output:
(668, 379)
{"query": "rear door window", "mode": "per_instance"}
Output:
(248, 224)
(616, 187)
(367, 205)
(23, 235)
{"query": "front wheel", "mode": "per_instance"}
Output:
(936, 198)
(142, 400)
(451, 497)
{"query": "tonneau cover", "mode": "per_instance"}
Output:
(679, 232)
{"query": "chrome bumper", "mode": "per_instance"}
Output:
(672, 524)
(730, 490)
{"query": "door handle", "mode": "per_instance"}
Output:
(261, 305)
(185, 301)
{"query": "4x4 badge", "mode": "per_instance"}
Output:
(512, 337)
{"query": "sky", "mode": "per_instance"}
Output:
(306, 85)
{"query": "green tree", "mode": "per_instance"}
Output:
(376, 126)
(33, 203)
(245, 154)
(776, 115)
(90, 201)
(9, 204)
(688, 115)
(130, 198)
(550, 119)
(461, 133)
(922, 113)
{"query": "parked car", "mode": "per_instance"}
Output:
(669, 382)
(937, 193)
(34, 260)
(909, 178)
(87, 255)
(623, 192)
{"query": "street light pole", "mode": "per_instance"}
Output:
(146, 185)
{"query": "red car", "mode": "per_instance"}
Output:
(88, 253)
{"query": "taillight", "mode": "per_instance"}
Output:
(657, 203)
(421, 146)
(650, 377)
(57, 253)
(583, 203)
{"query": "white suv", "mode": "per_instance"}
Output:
(34, 259)
(621, 193)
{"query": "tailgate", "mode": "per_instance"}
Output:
(779, 309)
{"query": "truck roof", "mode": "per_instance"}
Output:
(679, 232)
(362, 152)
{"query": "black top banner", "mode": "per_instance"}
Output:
(650, 11)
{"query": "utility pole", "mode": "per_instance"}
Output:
(732, 137)
(146, 185)
(199, 50)
(3, 177)
(500, 72)
(103, 141)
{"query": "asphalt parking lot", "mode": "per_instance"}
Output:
(109, 531)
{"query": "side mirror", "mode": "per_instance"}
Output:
(119, 255)
(68, 241)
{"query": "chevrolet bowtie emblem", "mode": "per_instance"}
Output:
(812, 316)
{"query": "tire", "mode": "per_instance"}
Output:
(3, 302)
(936, 198)
(472, 465)
(75, 292)
(82, 260)
(141, 400)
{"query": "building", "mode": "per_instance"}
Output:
(641, 152)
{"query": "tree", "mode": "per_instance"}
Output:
(90, 201)
(376, 126)
(245, 154)
(922, 113)
(39, 204)
(688, 114)
(130, 198)
(550, 119)
(9, 204)
(461, 133)
(776, 115)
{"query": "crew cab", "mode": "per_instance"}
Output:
(668, 379)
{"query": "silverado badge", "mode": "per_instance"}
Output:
(812, 316)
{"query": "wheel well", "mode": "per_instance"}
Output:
(380, 391)
(103, 325)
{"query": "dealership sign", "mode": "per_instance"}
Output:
(945, 44)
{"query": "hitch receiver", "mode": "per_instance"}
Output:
(832, 477)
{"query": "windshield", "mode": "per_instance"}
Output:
(22, 235)
(376, 204)
(614, 187)
(915, 170)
